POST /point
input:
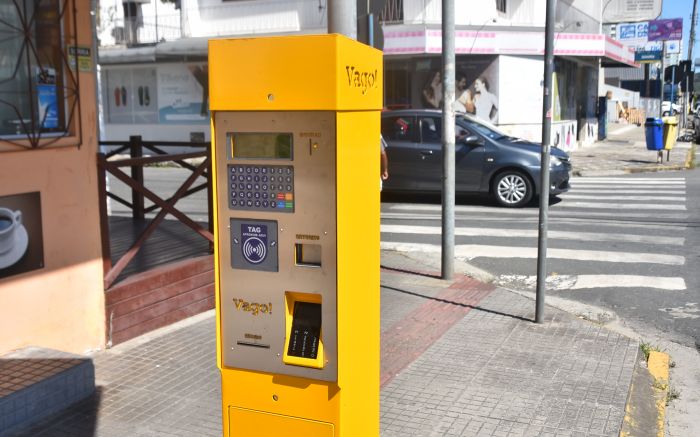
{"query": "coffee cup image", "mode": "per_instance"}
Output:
(13, 237)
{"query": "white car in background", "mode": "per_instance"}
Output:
(666, 108)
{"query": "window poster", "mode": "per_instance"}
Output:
(21, 239)
(131, 95)
(183, 93)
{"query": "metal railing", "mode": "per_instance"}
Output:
(112, 164)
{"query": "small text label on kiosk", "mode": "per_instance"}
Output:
(252, 307)
(361, 79)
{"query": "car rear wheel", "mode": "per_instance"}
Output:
(512, 189)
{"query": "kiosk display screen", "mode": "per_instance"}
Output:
(261, 145)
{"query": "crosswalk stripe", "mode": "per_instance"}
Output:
(616, 179)
(580, 282)
(606, 198)
(470, 251)
(533, 233)
(569, 221)
(621, 191)
(553, 209)
(622, 206)
(626, 182)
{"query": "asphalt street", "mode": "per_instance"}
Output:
(625, 243)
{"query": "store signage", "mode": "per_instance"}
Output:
(647, 56)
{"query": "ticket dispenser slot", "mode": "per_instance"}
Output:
(296, 224)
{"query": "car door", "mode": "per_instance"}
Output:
(469, 157)
(401, 136)
(428, 154)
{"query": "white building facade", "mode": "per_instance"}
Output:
(154, 71)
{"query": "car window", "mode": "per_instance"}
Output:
(398, 128)
(482, 128)
(431, 129)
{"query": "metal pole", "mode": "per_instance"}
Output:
(662, 77)
(693, 18)
(544, 162)
(448, 138)
(342, 17)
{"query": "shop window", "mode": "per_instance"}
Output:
(38, 92)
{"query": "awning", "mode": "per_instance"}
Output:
(403, 40)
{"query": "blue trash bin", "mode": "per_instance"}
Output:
(654, 130)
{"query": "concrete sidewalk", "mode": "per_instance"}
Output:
(459, 358)
(624, 151)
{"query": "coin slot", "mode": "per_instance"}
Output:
(307, 255)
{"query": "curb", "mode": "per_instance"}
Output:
(658, 365)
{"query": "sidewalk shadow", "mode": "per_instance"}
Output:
(78, 420)
(463, 305)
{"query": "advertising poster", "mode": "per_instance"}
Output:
(21, 239)
(183, 94)
(666, 29)
(47, 98)
(476, 88)
(131, 96)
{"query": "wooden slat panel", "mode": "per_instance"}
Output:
(161, 294)
(157, 278)
(167, 319)
(162, 308)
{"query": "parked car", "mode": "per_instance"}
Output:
(487, 160)
(666, 108)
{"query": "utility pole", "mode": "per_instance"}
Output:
(448, 138)
(342, 17)
(691, 42)
(544, 161)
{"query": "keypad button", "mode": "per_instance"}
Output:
(264, 178)
(272, 179)
(241, 194)
(248, 170)
(241, 178)
(233, 169)
(249, 178)
(280, 187)
(256, 195)
(257, 204)
(264, 187)
(249, 187)
(256, 178)
(249, 203)
(234, 202)
(241, 186)
(273, 204)
(265, 203)
(256, 170)
(289, 170)
(264, 170)
(289, 188)
(249, 194)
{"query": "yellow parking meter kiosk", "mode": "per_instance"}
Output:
(295, 150)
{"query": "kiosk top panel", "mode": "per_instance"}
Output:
(294, 73)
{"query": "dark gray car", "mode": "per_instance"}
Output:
(487, 160)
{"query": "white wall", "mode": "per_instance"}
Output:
(520, 85)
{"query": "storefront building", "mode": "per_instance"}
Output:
(499, 78)
(499, 48)
(51, 287)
